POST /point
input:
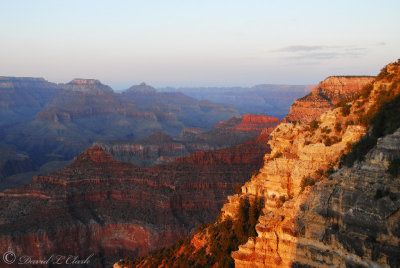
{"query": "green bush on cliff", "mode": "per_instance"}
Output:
(223, 237)
(385, 121)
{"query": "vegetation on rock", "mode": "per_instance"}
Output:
(383, 118)
(394, 167)
(222, 238)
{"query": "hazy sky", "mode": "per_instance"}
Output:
(197, 43)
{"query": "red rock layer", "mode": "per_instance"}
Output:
(114, 209)
(256, 122)
(325, 96)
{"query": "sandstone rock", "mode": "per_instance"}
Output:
(325, 95)
(347, 220)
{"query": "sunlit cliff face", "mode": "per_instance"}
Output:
(330, 224)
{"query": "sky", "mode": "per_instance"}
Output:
(183, 43)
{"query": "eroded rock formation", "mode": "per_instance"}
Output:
(114, 209)
(344, 220)
(55, 122)
(324, 96)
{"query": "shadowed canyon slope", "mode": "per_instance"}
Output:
(113, 209)
(264, 99)
(55, 122)
(159, 148)
(331, 198)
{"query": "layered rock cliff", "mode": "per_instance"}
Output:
(352, 219)
(348, 219)
(233, 131)
(328, 198)
(324, 96)
(114, 209)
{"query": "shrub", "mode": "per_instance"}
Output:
(345, 110)
(338, 126)
(381, 193)
(224, 237)
(314, 125)
(277, 155)
(394, 167)
(383, 73)
(384, 122)
(327, 141)
(306, 181)
(326, 130)
(237, 188)
(349, 123)
(320, 172)
(342, 103)
(366, 90)
(281, 200)
(330, 171)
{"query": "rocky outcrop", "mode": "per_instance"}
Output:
(113, 209)
(348, 219)
(308, 108)
(337, 88)
(352, 219)
(324, 96)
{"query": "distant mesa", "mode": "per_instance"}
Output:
(80, 81)
(142, 88)
(10, 82)
(157, 138)
(21, 79)
(87, 86)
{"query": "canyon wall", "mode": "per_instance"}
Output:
(349, 218)
(113, 209)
